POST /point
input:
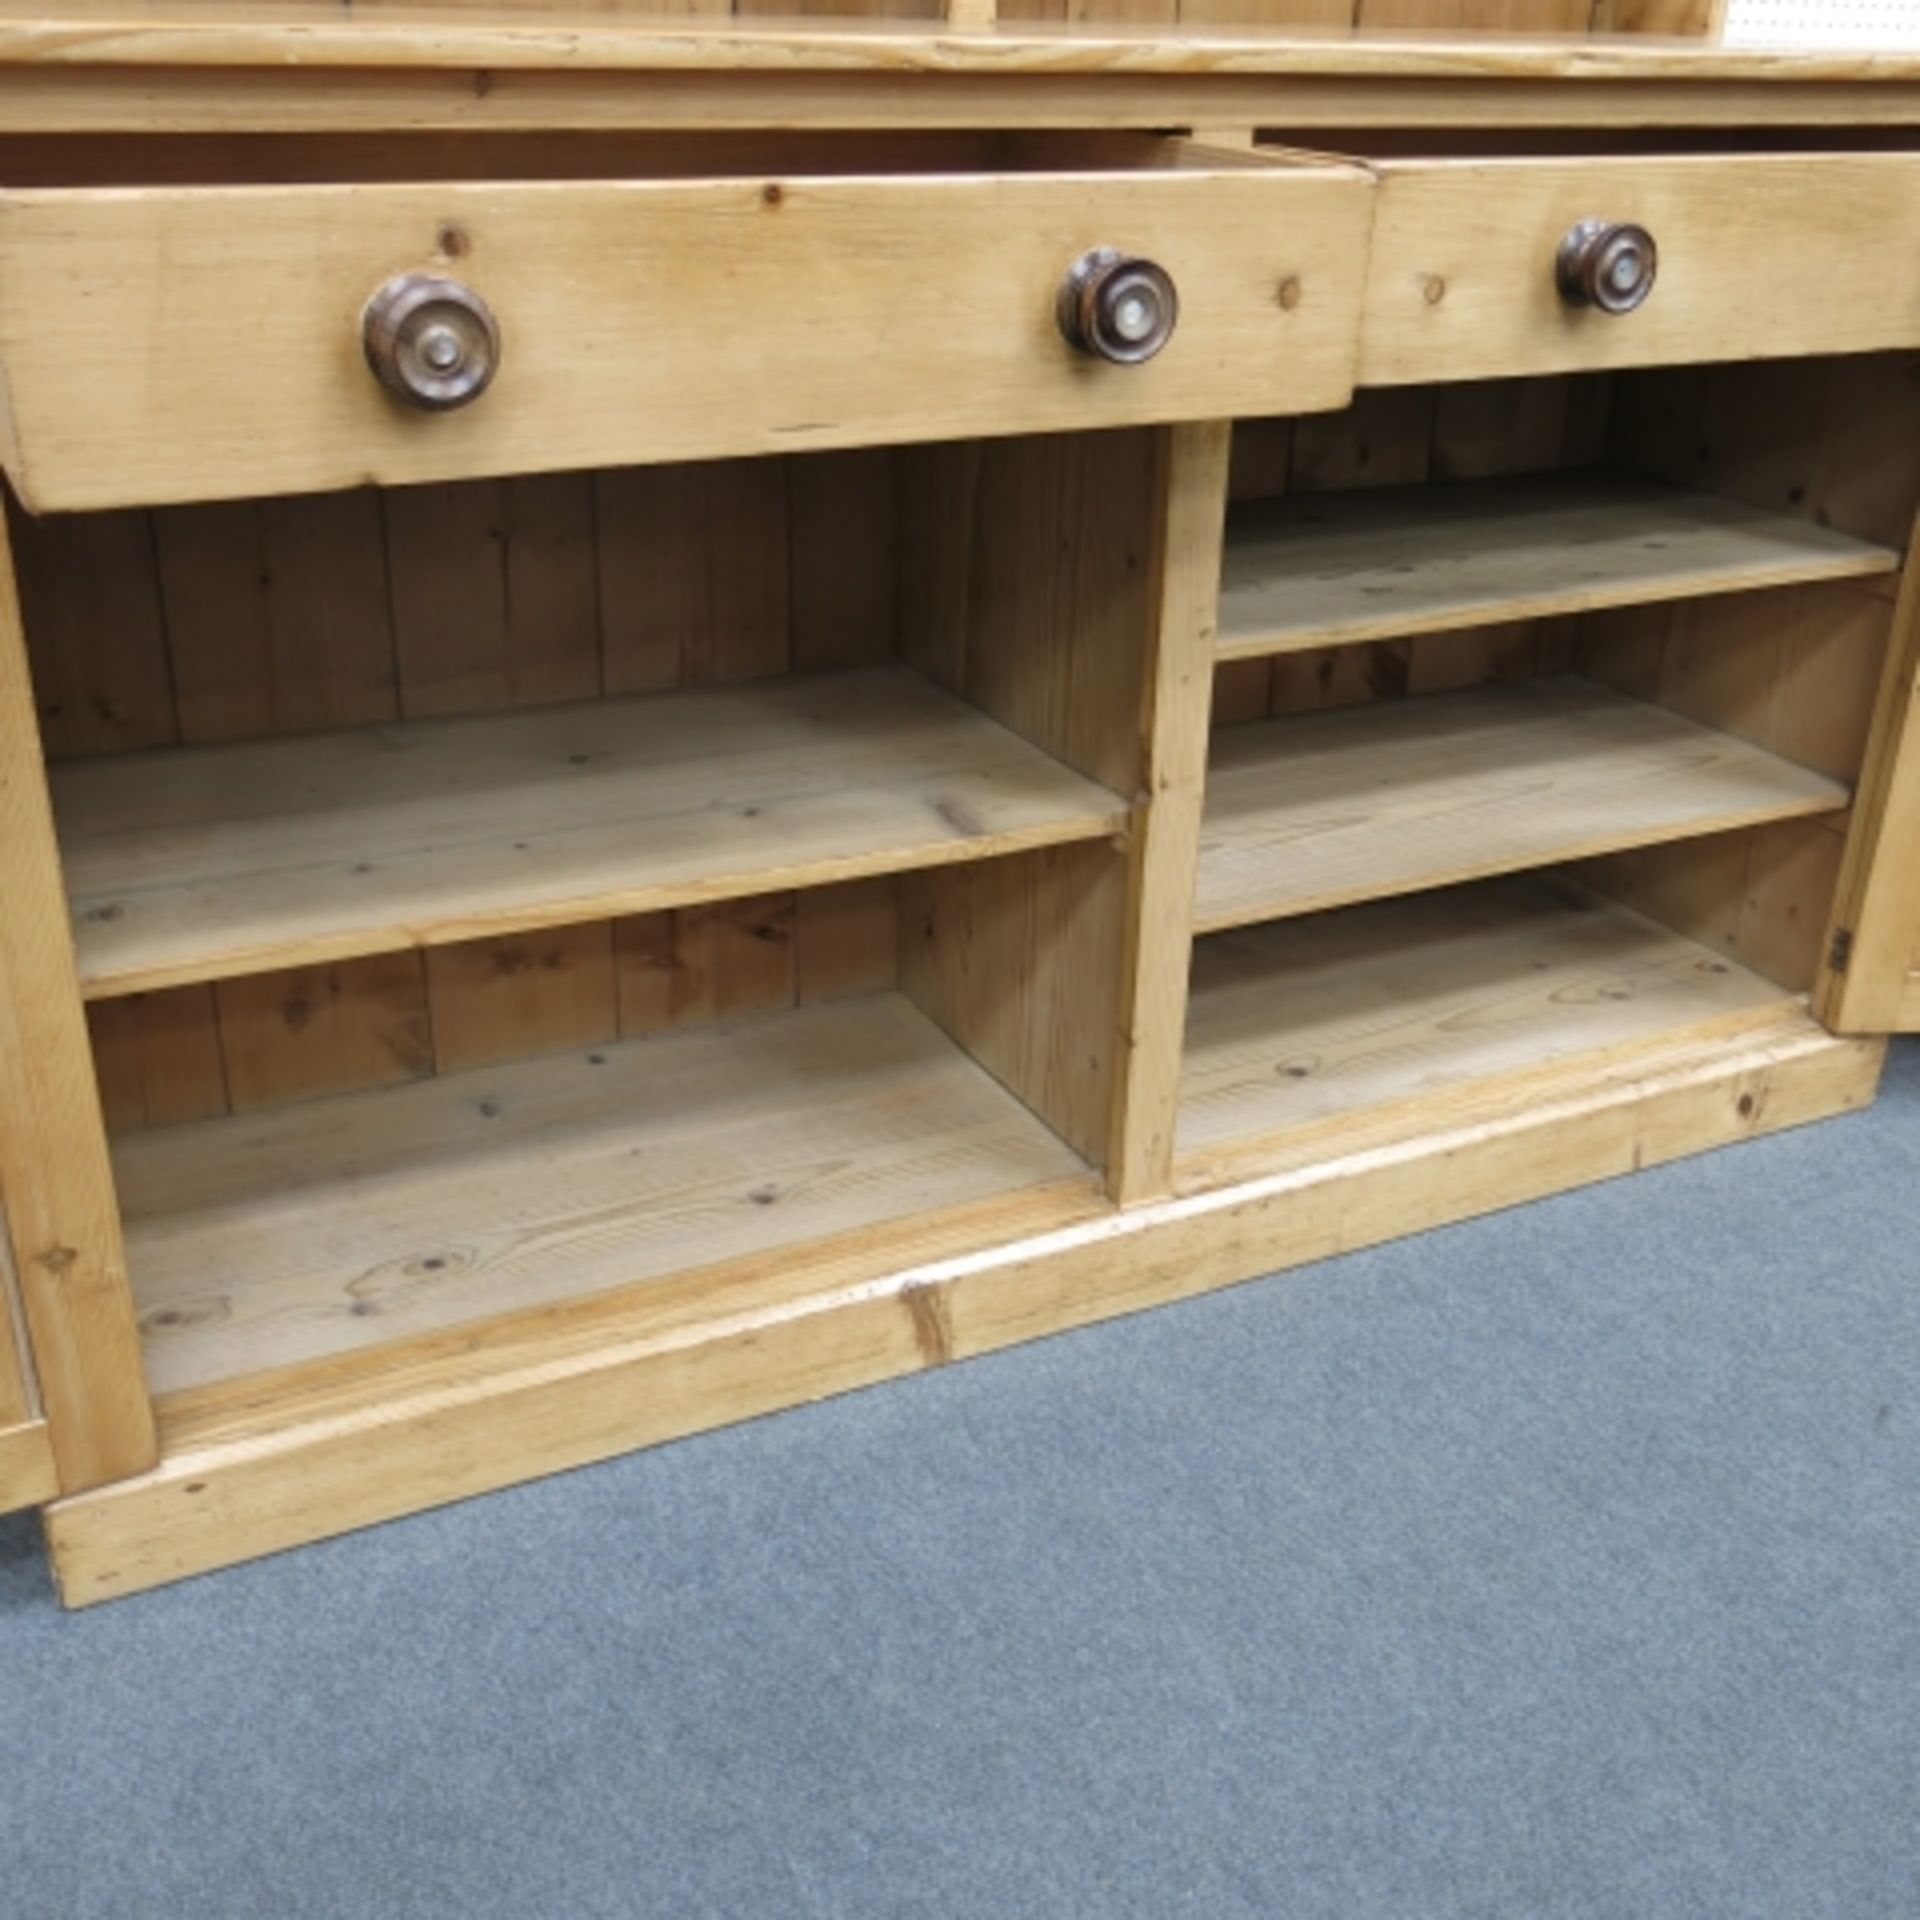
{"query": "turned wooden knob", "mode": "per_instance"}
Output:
(1606, 264)
(431, 341)
(1117, 307)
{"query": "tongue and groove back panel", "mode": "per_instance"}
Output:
(190, 625)
(1792, 669)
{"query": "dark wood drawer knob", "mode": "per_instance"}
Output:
(1117, 307)
(1607, 265)
(431, 341)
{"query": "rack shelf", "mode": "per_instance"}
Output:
(1307, 1022)
(1330, 569)
(1326, 809)
(313, 1230)
(201, 863)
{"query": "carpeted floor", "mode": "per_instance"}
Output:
(1562, 1564)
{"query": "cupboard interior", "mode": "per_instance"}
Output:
(1627, 632)
(1536, 720)
(799, 790)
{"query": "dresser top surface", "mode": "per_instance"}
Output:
(191, 66)
(241, 33)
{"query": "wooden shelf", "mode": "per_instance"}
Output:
(201, 863)
(1310, 1022)
(1326, 809)
(315, 1230)
(1329, 569)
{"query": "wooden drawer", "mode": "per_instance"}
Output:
(180, 343)
(1759, 256)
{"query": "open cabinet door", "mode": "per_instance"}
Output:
(1872, 980)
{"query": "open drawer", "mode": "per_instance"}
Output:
(1751, 256)
(170, 343)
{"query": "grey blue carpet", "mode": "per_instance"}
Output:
(1562, 1564)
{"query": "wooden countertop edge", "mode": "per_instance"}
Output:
(212, 40)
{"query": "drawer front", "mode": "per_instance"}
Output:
(1758, 257)
(179, 344)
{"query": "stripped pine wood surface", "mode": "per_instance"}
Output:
(1760, 898)
(771, 273)
(191, 1053)
(18, 1402)
(1784, 1072)
(1034, 584)
(1394, 437)
(1876, 914)
(206, 624)
(1301, 1023)
(250, 1472)
(1019, 961)
(924, 1205)
(1242, 83)
(1164, 843)
(1795, 673)
(1318, 811)
(325, 1029)
(1047, 63)
(1068, 586)
(353, 1222)
(61, 1215)
(1831, 441)
(1330, 569)
(1659, 16)
(1795, 670)
(1460, 288)
(188, 866)
(28, 1476)
(465, 35)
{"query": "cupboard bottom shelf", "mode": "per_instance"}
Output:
(1305, 1024)
(256, 1467)
(353, 1223)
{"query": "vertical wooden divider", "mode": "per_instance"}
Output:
(1067, 585)
(1191, 502)
(62, 1215)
